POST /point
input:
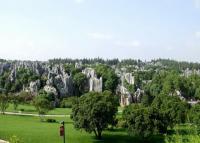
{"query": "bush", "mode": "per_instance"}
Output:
(194, 115)
(67, 102)
(15, 139)
(121, 123)
(144, 122)
(51, 120)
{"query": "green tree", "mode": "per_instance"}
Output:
(42, 105)
(4, 102)
(144, 122)
(110, 79)
(147, 100)
(197, 93)
(175, 109)
(15, 99)
(93, 112)
(80, 81)
(194, 115)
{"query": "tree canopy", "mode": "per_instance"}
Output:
(93, 112)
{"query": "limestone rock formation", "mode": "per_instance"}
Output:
(78, 65)
(138, 95)
(129, 78)
(34, 87)
(125, 96)
(60, 80)
(50, 89)
(94, 83)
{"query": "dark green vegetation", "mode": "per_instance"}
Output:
(4, 102)
(144, 122)
(169, 82)
(23, 77)
(93, 112)
(110, 79)
(42, 104)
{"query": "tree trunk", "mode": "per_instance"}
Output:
(95, 133)
(99, 134)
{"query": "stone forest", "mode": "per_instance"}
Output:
(150, 101)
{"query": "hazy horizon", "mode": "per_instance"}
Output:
(47, 29)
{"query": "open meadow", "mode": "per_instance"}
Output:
(31, 130)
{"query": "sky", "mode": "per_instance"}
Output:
(138, 29)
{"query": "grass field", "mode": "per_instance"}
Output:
(32, 130)
(183, 134)
(57, 111)
(24, 108)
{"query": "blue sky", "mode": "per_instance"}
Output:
(138, 29)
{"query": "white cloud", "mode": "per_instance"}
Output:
(197, 34)
(79, 1)
(169, 48)
(100, 36)
(134, 43)
(197, 3)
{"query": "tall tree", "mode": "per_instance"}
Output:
(4, 102)
(93, 112)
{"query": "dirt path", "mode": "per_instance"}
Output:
(36, 115)
(2, 141)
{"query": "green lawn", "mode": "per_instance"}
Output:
(57, 111)
(31, 130)
(31, 109)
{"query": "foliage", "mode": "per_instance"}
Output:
(110, 79)
(15, 99)
(15, 139)
(147, 100)
(70, 69)
(93, 112)
(25, 97)
(23, 78)
(4, 102)
(48, 96)
(131, 88)
(176, 110)
(42, 104)
(171, 82)
(184, 134)
(144, 122)
(68, 102)
(80, 81)
(194, 114)
(51, 120)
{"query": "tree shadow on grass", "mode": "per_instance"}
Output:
(125, 138)
(181, 131)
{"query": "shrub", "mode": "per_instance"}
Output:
(144, 122)
(22, 110)
(67, 102)
(51, 120)
(15, 139)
